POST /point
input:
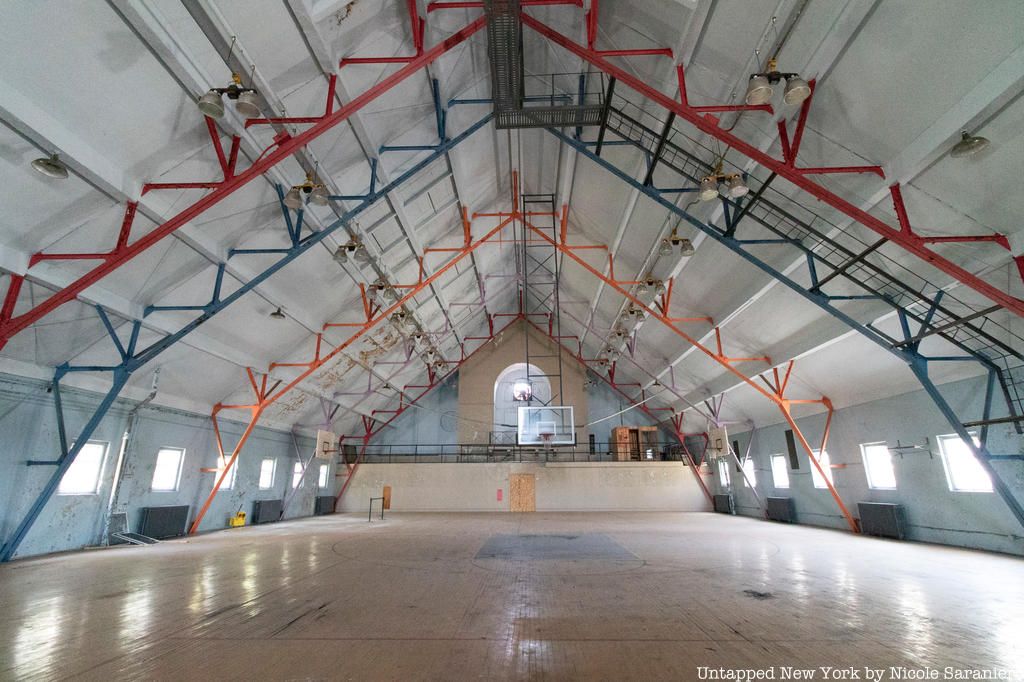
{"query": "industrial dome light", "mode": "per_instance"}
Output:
(341, 254)
(659, 288)
(247, 104)
(709, 188)
(737, 188)
(293, 198)
(686, 247)
(50, 166)
(759, 90)
(665, 249)
(797, 90)
(278, 314)
(319, 196)
(642, 289)
(969, 145)
(211, 104)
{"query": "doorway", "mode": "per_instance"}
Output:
(522, 492)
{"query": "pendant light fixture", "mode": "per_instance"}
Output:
(760, 86)
(969, 145)
(278, 315)
(246, 99)
(709, 188)
(316, 191)
(50, 166)
(665, 248)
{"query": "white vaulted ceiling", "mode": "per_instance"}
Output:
(112, 86)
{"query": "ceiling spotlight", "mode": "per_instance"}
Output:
(659, 288)
(969, 145)
(665, 248)
(319, 196)
(797, 90)
(51, 167)
(759, 90)
(642, 289)
(737, 188)
(278, 315)
(686, 247)
(293, 198)
(709, 188)
(361, 255)
(341, 254)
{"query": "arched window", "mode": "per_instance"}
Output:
(518, 385)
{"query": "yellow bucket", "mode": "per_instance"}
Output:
(236, 520)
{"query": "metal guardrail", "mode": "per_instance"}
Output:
(483, 453)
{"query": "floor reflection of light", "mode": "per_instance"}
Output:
(250, 573)
(798, 576)
(202, 589)
(916, 626)
(1007, 635)
(38, 636)
(136, 611)
(846, 589)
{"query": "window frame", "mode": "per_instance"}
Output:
(751, 474)
(232, 478)
(826, 467)
(867, 467)
(177, 473)
(324, 476)
(298, 471)
(785, 471)
(724, 479)
(273, 474)
(99, 471)
(944, 455)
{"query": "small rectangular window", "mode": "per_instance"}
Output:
(723, 472)
(83, 476)
(963, 471)
(167, 472)
(750, 475)
(297, 474)
(229, 480)
(878, 466)
(268, 468)
(780, 471)
(826, 465)
(324, 472)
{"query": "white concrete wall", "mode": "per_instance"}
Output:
(563, 486)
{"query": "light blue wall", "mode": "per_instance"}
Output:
(933, 512)
(28, 431)
(433, 421)
(602, 401)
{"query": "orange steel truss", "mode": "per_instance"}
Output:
(773, 391)
(265, 396)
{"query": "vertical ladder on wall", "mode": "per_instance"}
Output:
(540, 264)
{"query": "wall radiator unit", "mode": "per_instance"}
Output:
(724, 504)
(266, 511)
(164, 522)
(324, 505)
(781, 509)
(882, 519)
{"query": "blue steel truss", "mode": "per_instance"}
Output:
(133, 359)
(924, 309)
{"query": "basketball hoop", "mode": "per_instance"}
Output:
(546, 437)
